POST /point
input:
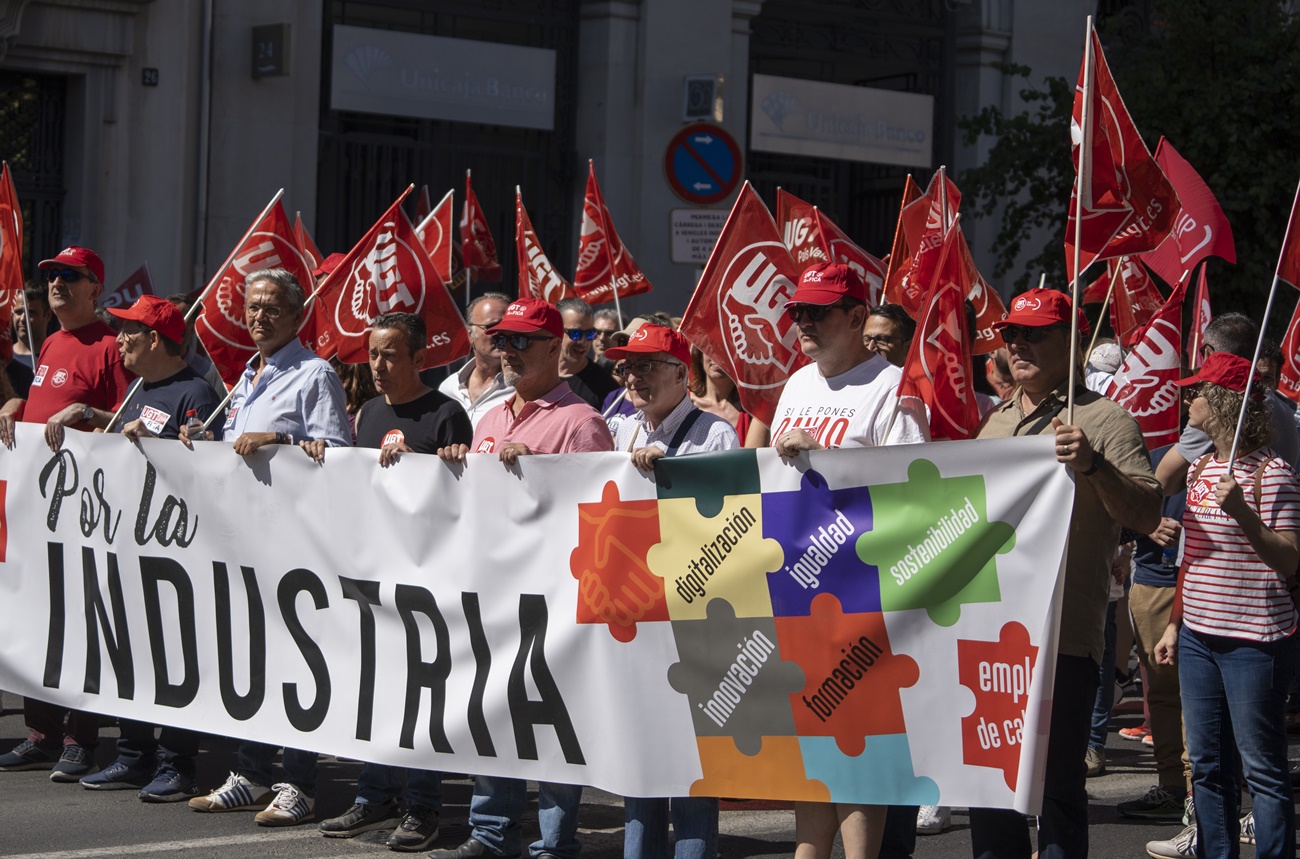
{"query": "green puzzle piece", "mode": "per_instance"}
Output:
(933, 544)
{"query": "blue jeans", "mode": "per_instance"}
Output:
(695, 827)
(379, 783)
(254, 763)
(1105, 700)
(498, 804)
(998, 833)
(137, 748)
(1234, 696)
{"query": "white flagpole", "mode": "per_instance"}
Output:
(604, 225)
(1085, 151)
(1263, 325)
(1042, 280)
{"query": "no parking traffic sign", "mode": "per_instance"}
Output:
(703, 164)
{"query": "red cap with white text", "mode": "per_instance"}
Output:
(526, 315)
(650, 339)
(1041, 307)
(73, 255)
(827, 283)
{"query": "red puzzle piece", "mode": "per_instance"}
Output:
(999, 674)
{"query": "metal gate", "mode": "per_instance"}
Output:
(31, 140)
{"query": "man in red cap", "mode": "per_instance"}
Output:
(1114, 487)
(846, 396)
(79, 382)
(543, 416)
(152, 341)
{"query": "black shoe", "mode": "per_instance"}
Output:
(471, 849)
(418, 829)
(362, 817)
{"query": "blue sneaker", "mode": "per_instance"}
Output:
(29, 756)
(169, 785)
(118, 776)
(75, 763)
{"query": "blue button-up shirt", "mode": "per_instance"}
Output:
(298, 393)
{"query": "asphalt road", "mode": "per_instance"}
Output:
(43, 820)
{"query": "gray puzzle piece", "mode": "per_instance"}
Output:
(732, 673)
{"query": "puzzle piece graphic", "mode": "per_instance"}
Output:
(770, 774)
(734, 678)
(881, 775)
(817, 528)
(709, 479)
(853, 676)
(615, 586)
(933, 543)
(998, 673)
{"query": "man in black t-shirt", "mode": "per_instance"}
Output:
(407, 417)
(586, 378)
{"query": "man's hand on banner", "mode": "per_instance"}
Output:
(391, 453)
(136, 430)
(315, 448)
(453, 454)
(251, 441)
(8, 417)
(512, 451)
(189, 442)
(790, 443)
(64, 418)
(644, 458)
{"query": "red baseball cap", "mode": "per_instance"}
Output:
(156, 313)
(827, 283)
(73, 255)
(328, 265)
(650, 339)
(1041, 307)
(526, 315)
(1223, 369)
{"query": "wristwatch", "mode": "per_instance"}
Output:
(87, 414)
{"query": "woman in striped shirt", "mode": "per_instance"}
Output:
(1234, 618)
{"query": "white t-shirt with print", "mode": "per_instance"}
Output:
(852, 409)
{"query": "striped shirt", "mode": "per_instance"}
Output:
(1226, 589)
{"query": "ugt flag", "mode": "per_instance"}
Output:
(476, 239)
(1144, 384)
(604, 264)
(537, 277)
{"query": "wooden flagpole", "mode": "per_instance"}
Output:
(1085, 152)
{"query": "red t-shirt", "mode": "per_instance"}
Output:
(81, 366)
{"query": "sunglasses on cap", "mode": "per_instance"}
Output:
(814, 312)
(518, 342)
(1031, 334)
(579, 334)
(67, 275)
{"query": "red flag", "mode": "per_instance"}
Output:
(476, 240)
(423, 206)
(1144, 384)
(436, 236)
(844, 250)
(1135, 299)
(269, 243)
(900, 252)
(1288, 377)
(927, 222)
(603, 261)
(938, 365)
(1288, 266)
(137, 283)
(1201, 316)
(537, 277)
(795, 219)
(737, 313)
(1200, 227)
(11, 264)
(387, 271)
(1096, 291)
(1128, 204)
(310, 252)
(986, 301)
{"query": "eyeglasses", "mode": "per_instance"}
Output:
(641, 366)
(875, 341)
(1191, 392)
(602, 334)
(1206, 350)
(518, 342)
(67, 275)
(1031, 334)
(270, 311)
(485, 325)
(814, 312)
(126, 331)
(580, 334)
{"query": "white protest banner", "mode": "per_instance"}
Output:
(875, 628)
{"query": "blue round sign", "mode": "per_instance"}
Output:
(703, 164)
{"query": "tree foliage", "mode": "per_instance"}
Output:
(1221, 81)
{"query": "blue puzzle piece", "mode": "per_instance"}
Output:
(881, 775)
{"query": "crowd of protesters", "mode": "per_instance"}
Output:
(1200, 540)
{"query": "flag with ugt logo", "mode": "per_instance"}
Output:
(537, 277)
(604, 263)
(737, 314)
(476, 242)
(1144, 384)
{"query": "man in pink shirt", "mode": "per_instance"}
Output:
(543, 416)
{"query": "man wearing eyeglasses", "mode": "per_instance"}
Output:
(479, 385)
(607, 323)
(1113, 487)
(543, 416)
(590, 381)
(889, 332)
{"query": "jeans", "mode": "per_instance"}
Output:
(498, 804)
(695, 827)
(45, 725)
(1234, 697)
(998, 833)
(137, 747)
(255, 759)
(379, 783)
(1105, 699)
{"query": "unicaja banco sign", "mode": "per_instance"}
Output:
(432, 77)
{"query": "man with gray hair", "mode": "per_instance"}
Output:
(479, 385)
(607, 323)
(586, 378)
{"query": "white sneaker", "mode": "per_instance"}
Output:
(1180, 846)
(290, 806)
(933, 819)
(1247, 831)
(238, 793)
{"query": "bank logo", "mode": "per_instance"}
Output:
(778, 106)
(367, 59)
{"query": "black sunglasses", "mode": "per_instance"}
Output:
(68, 275)
(579, 334)
(1031, 334)
(518, 342)
(814, 312)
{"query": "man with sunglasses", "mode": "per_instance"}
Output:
(889, 332)
(479, 386)
(590, 381)
(1114, 488)
(543, 416)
